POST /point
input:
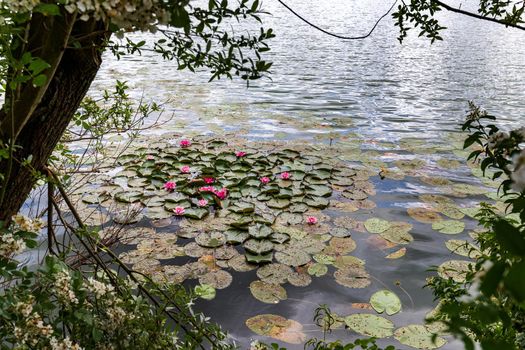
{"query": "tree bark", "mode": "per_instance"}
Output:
(70, 82)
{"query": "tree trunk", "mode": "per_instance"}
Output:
(69, 84)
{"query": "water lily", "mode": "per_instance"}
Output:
(185, 169)
(312, 220)
(209, 180)
(202, 202)
(170, 186)
(240, 154)
(150, 157)
(207, 189)
(222, 193)
(265, 180)
(179, 211)
(185, 143)
(286, 175)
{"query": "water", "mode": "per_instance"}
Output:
(381, 89)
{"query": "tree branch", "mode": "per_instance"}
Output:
(475, 15)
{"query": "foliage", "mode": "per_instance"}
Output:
(422, 15)
(92, 308)
(489, 307)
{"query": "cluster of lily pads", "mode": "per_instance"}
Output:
(284, 209)
(365, 324)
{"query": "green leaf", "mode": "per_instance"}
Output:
(39, 80)
(370, 325)
(515, 281)
(205, 291)
(509, 237)
(385, 300)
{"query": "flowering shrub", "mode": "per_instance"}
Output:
(489, 308)
(56, 307)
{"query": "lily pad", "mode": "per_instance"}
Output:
(463, 248)
(397, 254)
(455, 269)
(259, 258)
(449, 227)
(274, 273)
(370, 325)
(424, 215)
(418, 336)
(299, 279)
(217, 279)
(385, 301)
(210, 239)
(277, 327)
(292, 257)
(269, 293)
(258, 246)
(205, 291)
(376, 225)
(317, 269)
(259, 231)
(352, 277)
(342, 246)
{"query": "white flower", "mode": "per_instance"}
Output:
(98, 288)
(518, 174)
(497, 139)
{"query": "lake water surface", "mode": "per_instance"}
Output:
(383, 91)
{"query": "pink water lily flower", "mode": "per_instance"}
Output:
(185, 169)
(240, 154)
(170, 186)
(286, 175)
(150, 157)
(179, 211)
(203, 202)
(209, 180)
(312, 220)
(207, 189)
(265, 180)
(185, 143)
(222, 193)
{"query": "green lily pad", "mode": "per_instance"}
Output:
(195, 213)
(376, 225)
(463, 248)
(398, 233)
(205, 291)
(236, 236)
(258, 246)
(259, 231)
(239, 264)
(385, 301)
(418, 336)
(324, 259)
(317, 269)
(449, 227)
(316, 202)
(258, 258)
(269, 293)
(370, 325)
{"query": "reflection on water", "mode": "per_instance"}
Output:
(380, 90)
